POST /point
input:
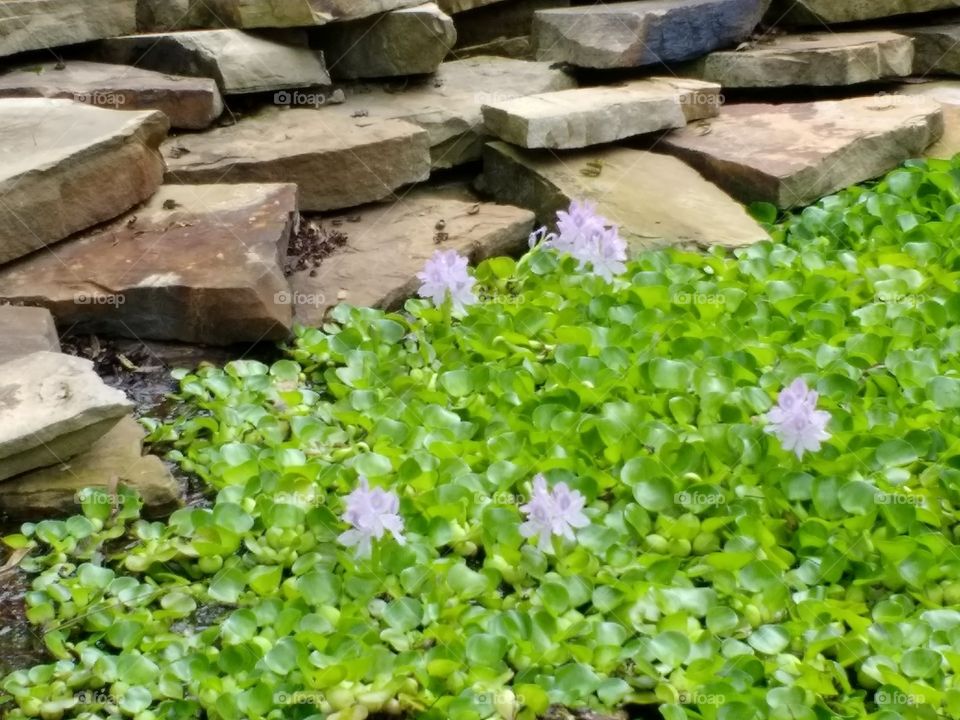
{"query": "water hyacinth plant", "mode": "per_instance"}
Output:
(721, 565)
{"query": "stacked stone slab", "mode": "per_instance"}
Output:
(818, 12)
(390, 242)
(65, 166)
(190, 103)
(448, 104)
(592, 116)
(792, 154)
(337, 162)
(197, 264)
(647, 32)
(633, 188)
(240, 62)
(813, 59)
(412, 41)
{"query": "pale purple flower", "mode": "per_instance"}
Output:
(372, 513)
(550, 513)
(796, 421)
(588, 237)
(446, 274)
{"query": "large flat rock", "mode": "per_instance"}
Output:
(52, 407)
(26, 330)
(582, 117)
(637, 190)
(793, 154)
(410, 41)
(302, 13)
(936, 48)
(947, 93)
(197, 264)
(240, 62)
(338, 161)
(818, 12)
(815, 59)
(388, 245)
(189, 103)
(448, 105)
(37, 24)
(65, 166)
(54, 491)
(648, 32)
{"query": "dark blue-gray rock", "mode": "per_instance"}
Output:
(649, 32)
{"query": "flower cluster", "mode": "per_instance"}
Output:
(588, 237)
(373, 513)
(445, 274)
(550, 513)
(796, 421)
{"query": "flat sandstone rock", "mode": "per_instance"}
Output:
(302, 13)
(448, 105)
(52, 407)
(337, 161)
(648, 32)
(817, 12)
(26, 330)
(814, 59)
(238, 61)
(936, 48)
(635, 189)
(189, 103)
(947, 94)
(411, 41)
(65, 166)
(390, 243)
(592, 116)
(793, 154)
(54, 491)
(38, 24)
(197, 264)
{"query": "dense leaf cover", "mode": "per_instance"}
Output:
(719, 577)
